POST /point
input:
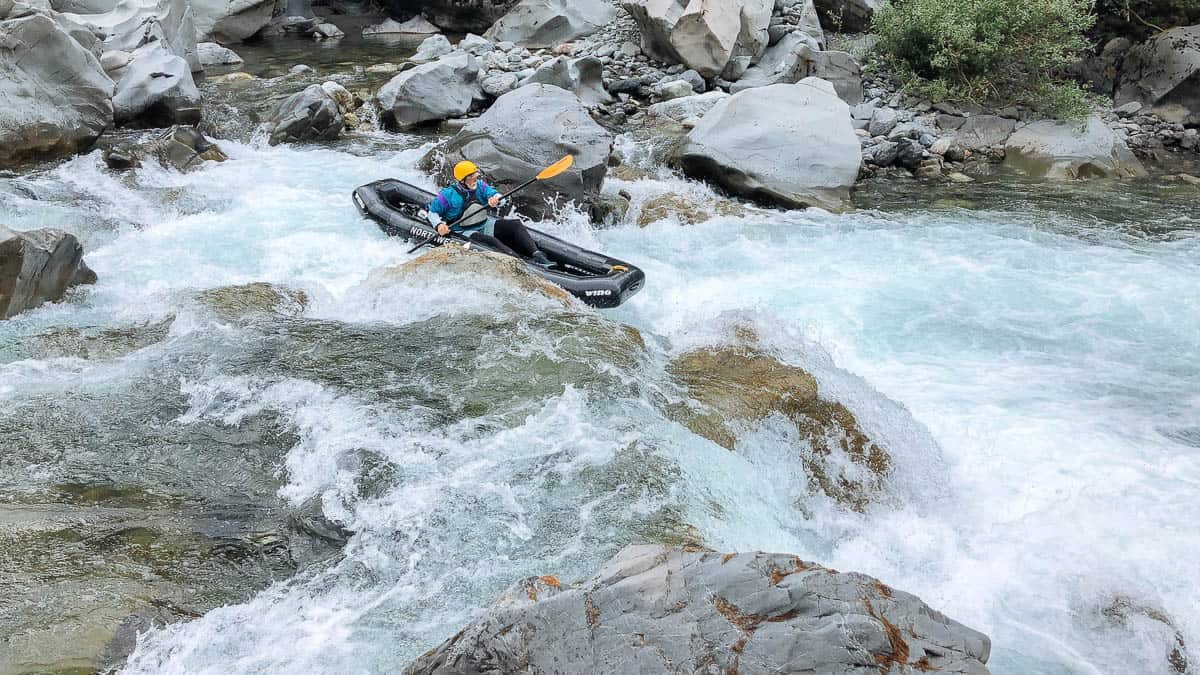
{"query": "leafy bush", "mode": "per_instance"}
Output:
(988, 51)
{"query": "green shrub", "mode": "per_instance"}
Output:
(988, 51)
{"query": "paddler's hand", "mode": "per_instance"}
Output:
(494, 201)
(443, 229)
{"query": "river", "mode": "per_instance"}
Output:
(1029, 354)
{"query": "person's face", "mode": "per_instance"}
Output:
(471, 181)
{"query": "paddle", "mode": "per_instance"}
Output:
(546, 174)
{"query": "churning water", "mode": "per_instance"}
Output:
(1030, 360)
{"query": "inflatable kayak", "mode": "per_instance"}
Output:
(592, 277)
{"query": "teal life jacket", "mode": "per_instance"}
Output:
(452, 201)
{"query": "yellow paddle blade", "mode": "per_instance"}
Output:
(556, 168)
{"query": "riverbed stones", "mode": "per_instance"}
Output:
(1068, 150)
(539, 24)
(1164, 73)
(456, 261)
(525, 131)
(445, 88)
(38, 266)
(308, 115)
(808, 157)
(55, 98)
(659, 609)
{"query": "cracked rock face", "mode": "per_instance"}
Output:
(657, 609)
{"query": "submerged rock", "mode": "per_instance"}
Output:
(808, 157)
(180, 148)
(1065, 150)
(525, 131)
(539, 24)
(55, 98)
(1151, 622)
(239, 303)
(687, 211)
(38, 266)
(458, 260)
(655, 609)
(736, 387)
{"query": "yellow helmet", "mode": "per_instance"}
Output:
(464, 169)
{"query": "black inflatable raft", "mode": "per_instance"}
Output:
(596, 279)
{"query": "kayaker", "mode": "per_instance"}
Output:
(508, 235)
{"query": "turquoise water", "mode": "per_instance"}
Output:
(1028, 357)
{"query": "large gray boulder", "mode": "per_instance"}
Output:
(455, 16)
(788, 61)
(688, 107)
(213, 54)
(583, 76)
(228, 21)
(1068, 150)
(525, 131)
(809, 156)
(545, 23)
(432, 48)
(655, 609)
(155, 90)
(132, 24)
(847, 16)
(1164, 72)
(38, 266)
(309, 115)
(982, 132)
(706, 35)
(55, 98)
(432, 92)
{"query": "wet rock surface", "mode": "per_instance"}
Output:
(679, 610)
(38, 267)
(735, 388)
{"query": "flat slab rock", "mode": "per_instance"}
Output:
(657, 609)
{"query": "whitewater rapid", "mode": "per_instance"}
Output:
(1031, 365)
